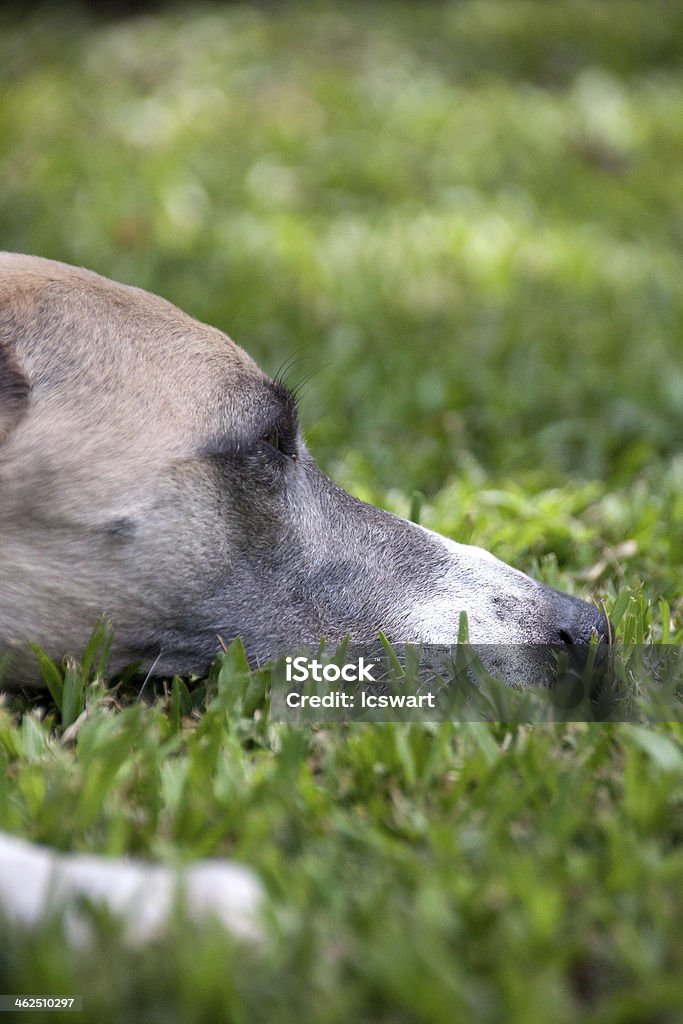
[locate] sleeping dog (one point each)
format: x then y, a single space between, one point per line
151 474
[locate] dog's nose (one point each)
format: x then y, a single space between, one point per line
580 621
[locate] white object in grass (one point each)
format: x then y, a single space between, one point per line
35 881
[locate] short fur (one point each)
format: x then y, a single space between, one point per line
151 473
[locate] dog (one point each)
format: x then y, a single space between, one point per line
152 475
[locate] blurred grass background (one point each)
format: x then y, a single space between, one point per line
468 216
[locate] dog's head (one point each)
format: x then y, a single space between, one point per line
152 474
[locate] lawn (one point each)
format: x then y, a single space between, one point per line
464 220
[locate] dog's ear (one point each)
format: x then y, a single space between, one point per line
14 391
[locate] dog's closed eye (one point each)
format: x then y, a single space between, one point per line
273 439
282 440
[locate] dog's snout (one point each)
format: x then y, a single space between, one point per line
580 622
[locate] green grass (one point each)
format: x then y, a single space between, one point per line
436 872
466 219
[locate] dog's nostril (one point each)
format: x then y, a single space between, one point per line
583 624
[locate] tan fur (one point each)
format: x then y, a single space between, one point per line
139 482
160 381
